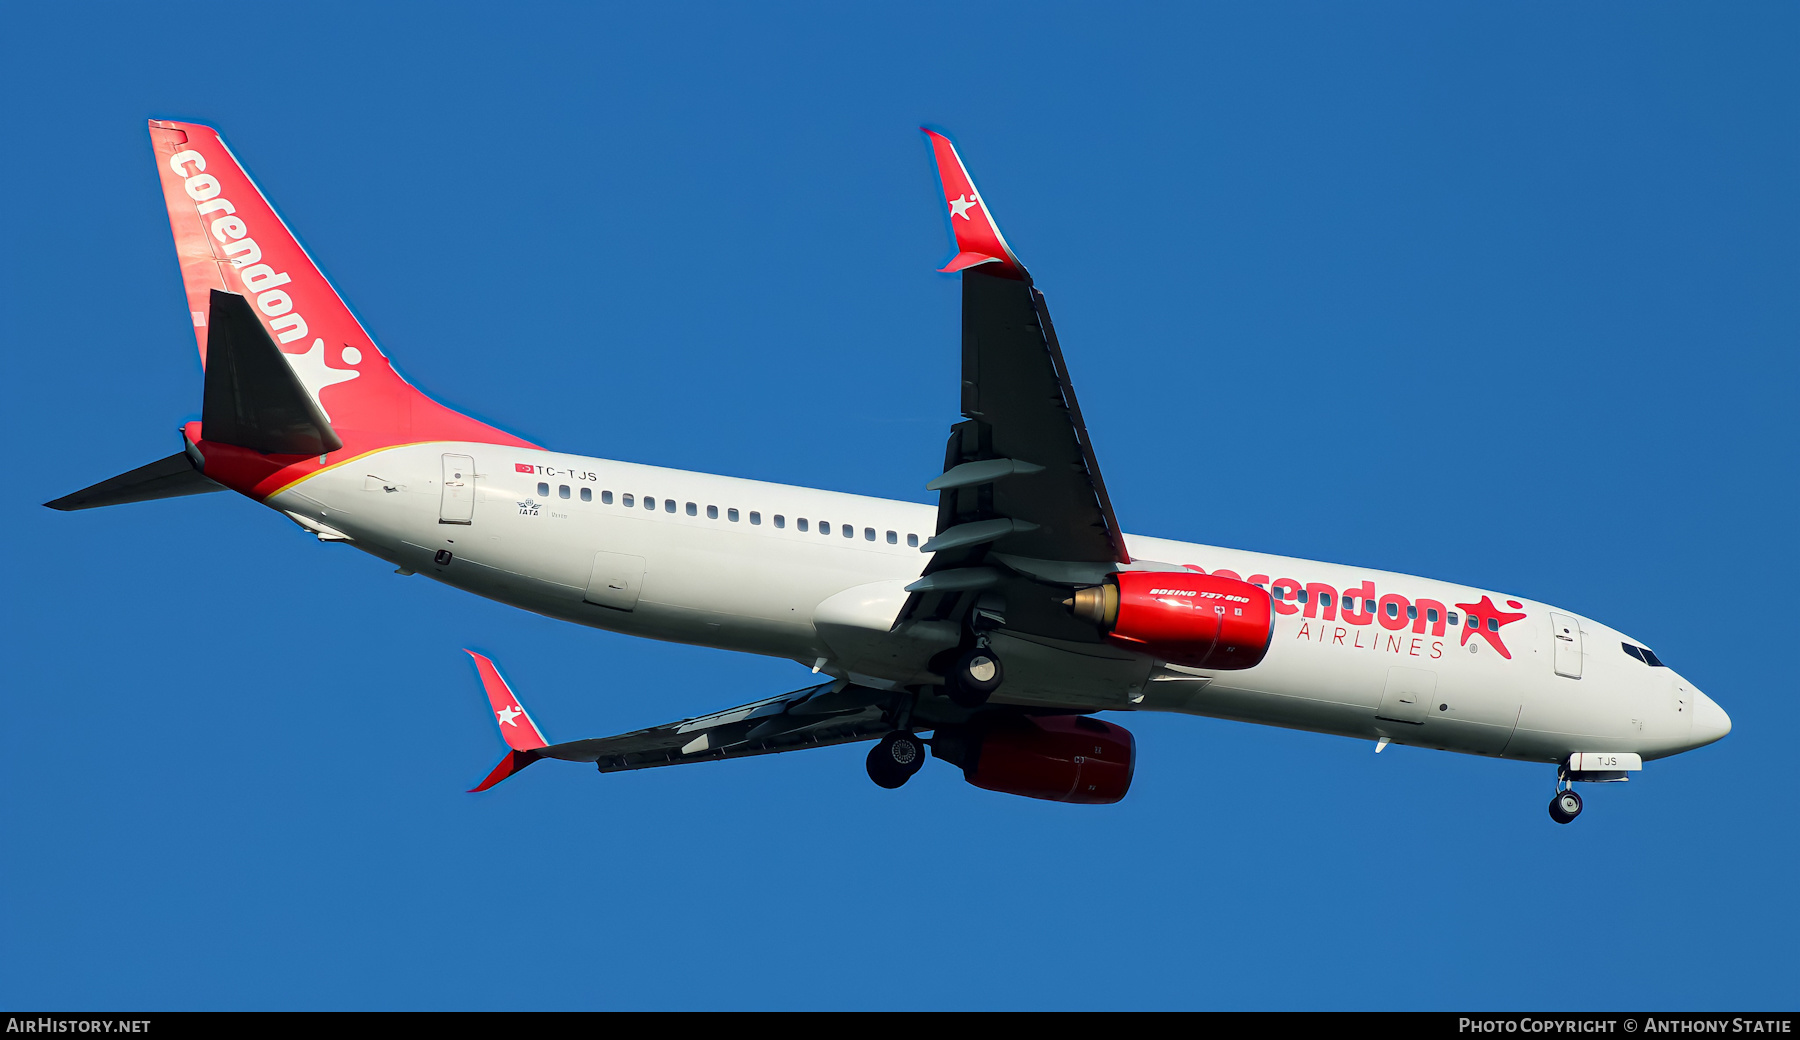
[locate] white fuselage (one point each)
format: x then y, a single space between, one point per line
801 588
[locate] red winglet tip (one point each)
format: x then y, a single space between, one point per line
508 712
512 763
978 238
964 261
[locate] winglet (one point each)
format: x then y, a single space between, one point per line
516 728
512 763
978 238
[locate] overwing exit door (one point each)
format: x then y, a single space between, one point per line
1566 633
458 503
1407 696
616 580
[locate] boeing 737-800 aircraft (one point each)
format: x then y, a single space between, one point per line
999 621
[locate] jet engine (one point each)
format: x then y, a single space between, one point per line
1183 617
1059 758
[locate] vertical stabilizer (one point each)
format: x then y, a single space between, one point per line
230 240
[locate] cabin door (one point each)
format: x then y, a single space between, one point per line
458 504
1566 649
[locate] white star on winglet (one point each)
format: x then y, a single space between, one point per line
508 714
315 374
959 206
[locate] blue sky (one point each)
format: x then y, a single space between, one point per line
1508 297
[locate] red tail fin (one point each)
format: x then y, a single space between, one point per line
229 238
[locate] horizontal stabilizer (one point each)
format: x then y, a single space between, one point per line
253 398
165 478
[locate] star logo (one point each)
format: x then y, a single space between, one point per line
959 206
1486 611
508 714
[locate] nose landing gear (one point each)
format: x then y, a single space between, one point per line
1566 805
895 758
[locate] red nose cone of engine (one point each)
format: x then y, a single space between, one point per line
1059 758
1199 620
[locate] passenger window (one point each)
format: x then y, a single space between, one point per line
1324 599
628 501
668 505
543 489
893 538
1301 595
731 515
1412 613
587 494
712 512
1454 620
1493 624
692 509
824 527
755 518
912 540
780 521
562 491
606 498
1279 592
800 524
1349 604
1431 615
649 503
1393 610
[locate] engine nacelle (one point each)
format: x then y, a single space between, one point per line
1059 758
1183 617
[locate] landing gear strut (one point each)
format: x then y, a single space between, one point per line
974 677
895 758
1567 804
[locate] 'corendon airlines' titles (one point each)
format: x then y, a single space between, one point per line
1393 612
233 235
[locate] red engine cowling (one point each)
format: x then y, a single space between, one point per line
1059 758
1199 620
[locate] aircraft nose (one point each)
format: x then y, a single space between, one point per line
1710 720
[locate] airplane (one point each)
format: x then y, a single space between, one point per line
1000 621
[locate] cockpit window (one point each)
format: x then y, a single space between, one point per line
1644 654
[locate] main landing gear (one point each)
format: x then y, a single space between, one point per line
895 758
1567 804
974 677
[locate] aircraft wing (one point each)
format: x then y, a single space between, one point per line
1021 486
837 712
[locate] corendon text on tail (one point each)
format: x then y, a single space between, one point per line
990 629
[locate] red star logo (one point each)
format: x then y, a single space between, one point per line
1479 612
